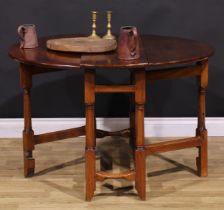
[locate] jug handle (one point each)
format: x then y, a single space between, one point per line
132 42
21 31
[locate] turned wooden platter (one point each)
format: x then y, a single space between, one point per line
82 44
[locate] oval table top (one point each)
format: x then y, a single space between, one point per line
155 51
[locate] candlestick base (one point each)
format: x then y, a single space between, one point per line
94 36
109 36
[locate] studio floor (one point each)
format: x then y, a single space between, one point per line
172 182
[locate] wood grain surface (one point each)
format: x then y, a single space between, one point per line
156 51
82 44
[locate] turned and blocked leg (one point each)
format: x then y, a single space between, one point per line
140 168
132 116
90 134
202 159
28 134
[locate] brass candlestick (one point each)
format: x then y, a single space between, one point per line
94 35
109 34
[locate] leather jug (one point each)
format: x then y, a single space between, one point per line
128 43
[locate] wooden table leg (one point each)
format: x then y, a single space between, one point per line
140 85
28 134
90 133
202 159
132 115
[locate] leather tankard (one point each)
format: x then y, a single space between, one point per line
128 43
28 36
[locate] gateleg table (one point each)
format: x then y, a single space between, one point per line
173 58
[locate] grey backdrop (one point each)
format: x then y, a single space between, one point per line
61 94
